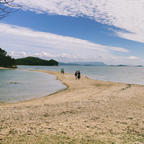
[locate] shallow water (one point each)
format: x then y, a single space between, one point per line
20 85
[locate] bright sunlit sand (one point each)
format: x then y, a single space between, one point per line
88 111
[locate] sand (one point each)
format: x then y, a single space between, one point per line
2 68
88 111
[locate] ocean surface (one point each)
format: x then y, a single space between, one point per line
20 85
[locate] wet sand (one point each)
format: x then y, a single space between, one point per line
88 111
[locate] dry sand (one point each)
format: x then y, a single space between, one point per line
88 112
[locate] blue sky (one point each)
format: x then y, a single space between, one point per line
72 31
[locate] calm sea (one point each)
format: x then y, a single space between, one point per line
19 85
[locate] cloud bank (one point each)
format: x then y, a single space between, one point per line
22 42
124 14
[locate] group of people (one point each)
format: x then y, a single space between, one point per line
77 73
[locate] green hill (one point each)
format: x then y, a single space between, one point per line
36 61
6 60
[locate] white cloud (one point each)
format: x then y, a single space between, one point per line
21 42
133 57
124 14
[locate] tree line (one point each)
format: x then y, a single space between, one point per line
6 60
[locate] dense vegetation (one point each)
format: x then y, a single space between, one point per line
6 60
36 61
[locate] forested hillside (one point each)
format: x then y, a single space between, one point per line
36 61
6 60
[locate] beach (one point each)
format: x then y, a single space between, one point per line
1 68
87 111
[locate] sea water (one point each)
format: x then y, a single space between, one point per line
125 74
20 85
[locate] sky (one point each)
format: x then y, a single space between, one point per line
109 31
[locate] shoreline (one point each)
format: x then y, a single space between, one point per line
3 68
92 110
36 99
57 74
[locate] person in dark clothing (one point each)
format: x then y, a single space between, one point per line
78 74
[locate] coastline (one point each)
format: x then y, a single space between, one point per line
89 109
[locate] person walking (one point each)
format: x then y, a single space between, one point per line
78 75
62 70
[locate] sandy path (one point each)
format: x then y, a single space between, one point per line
105 111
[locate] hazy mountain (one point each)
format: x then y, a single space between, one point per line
84 63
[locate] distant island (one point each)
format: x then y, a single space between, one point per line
121 65
34 61
84 64
6 61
